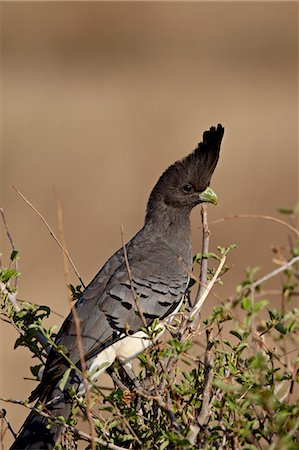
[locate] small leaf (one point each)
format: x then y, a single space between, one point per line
8 274
19 342
260 305
274 314
14 255
225 250
281 328
237 334
64 379
241 347
35 369
164 444
113 424
287 211
246 304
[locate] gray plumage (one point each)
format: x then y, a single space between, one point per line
160 258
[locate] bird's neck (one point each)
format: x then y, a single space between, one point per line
173 226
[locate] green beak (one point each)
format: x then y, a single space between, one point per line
209 196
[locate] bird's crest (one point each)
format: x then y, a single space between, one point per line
197 168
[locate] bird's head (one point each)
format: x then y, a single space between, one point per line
185 183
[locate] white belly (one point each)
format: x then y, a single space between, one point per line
125 349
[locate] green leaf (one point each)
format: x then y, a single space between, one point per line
226 250
8 274
237 334
64 379
127 437
19 342
281 328
164 444
286 211
260 305
257 361
14 255
35 369
241 347
274 314
246 304
113 424
199 256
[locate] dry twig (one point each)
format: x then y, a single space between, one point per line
205 248
134 295
65 251
275 272
257 216
10 238
63 241
205 407
202 299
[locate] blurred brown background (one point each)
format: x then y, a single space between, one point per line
99 98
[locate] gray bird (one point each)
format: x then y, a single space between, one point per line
117 302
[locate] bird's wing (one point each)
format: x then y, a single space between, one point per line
107 309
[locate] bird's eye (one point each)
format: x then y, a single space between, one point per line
187 188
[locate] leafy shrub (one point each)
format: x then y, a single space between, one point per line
230 383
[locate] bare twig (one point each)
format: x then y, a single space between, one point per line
84 376
65 251
134 295
204 413
3 430
257 216
63 241
3 416
10 238
7 229
200 302
205 248
274 273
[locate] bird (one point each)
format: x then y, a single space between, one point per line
144 281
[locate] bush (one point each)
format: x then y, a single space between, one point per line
229 383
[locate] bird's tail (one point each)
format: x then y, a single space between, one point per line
35 433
